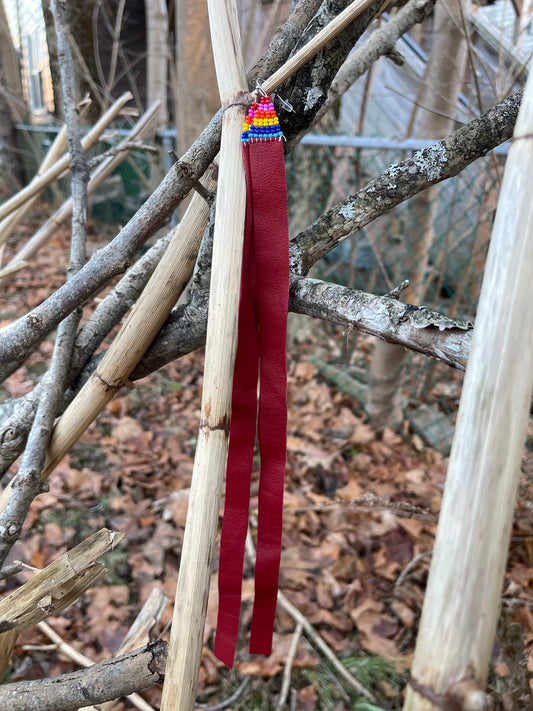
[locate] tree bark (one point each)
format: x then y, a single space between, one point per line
79 17
51 42
119 677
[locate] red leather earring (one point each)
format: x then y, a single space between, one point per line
259 399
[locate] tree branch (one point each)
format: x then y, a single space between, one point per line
418 329
381 42
110 680
427 167
413 327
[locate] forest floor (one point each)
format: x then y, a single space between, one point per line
360 517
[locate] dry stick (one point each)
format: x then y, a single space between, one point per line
118 677
460 610
152 308
209 465
57 586
416 328
54 153
287 671
61 165
192 591
46 231
311 632
29 475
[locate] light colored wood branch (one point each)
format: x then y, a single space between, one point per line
152 308
118 677
52 589
287 670
98 176
59 584
56 150
460 610
221 343
36 186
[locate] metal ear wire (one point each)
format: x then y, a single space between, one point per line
259 89
285 104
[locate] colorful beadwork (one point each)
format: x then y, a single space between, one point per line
261 122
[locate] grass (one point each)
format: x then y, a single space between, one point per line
373 672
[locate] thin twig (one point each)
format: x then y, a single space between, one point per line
122 148
312 634
411 566
287 671
230 701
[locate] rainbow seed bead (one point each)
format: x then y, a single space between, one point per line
262 122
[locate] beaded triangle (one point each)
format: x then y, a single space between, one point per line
262 122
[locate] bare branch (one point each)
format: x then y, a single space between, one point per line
381 42
427 167
413 327
118 677
124 147
28 483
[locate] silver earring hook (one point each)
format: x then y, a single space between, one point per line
285 104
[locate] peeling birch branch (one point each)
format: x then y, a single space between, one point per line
413 327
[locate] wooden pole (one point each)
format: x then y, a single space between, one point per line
186 638
36 186
464 588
